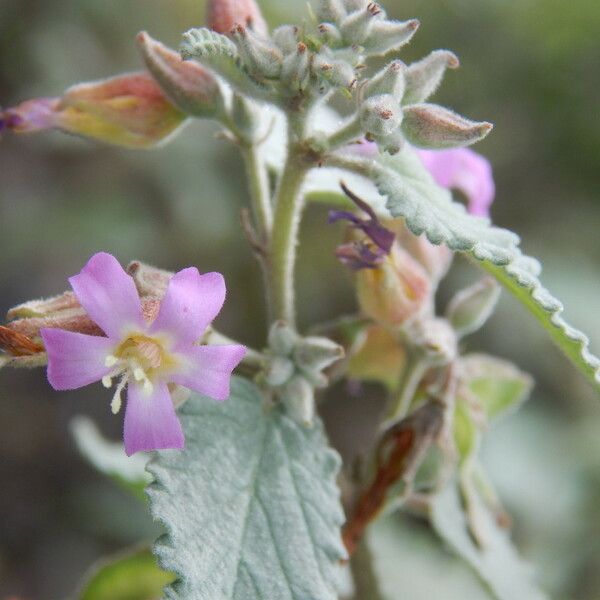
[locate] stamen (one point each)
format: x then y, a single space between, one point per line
116 402
110 361
107 381
139 374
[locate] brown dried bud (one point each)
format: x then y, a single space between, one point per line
223 15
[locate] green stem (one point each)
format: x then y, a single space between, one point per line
288 211
363 574
260 194
411 376
349 132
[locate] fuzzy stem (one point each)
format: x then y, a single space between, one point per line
363 574
349 132
288 211
260 195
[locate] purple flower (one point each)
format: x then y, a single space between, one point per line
464 170
362 255
145 357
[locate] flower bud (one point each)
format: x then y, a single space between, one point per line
286 38
356 26
223 15
331 10
260 57
432 126
190 86
424 77
278 370
396 290
380 115
337 73
282 338
392 143
149 281
436 338
330 35
295 71
127 110
298 397
390 80
314 354
386 36
472 307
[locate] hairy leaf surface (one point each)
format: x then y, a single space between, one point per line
251 505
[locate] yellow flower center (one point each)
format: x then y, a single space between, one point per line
138 358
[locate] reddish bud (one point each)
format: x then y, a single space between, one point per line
223 15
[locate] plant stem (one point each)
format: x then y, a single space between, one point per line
288 211
363 573
410 378
260 194
347 133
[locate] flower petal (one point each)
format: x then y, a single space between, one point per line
108 295
75 359
150 420
191 303
209 369
465 170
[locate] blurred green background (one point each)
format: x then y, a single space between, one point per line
530 66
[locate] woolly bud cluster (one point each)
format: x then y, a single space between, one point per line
295 368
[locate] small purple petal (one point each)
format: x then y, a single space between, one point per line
465 170
356 256
75 359
209 369
108 295
150 420
191 303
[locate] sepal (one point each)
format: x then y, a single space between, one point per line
471 307
189 86
424 77
435 127
386 36
380 115
356 27
389 80
262 58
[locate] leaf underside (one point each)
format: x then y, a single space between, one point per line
497 564
251 505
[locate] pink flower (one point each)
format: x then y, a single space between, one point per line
464 170
146 356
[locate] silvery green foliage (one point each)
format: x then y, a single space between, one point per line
497 564
251 505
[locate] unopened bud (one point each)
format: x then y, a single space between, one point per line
424 77
45 307
282 338
260 57
330 35
380 115
356 26
472 307
395 291
149 281
392 143
314 354
295 71
298 397
386 36
335 72
436 338
127 110
331 10
278 370
286 38
190 86
223 15
390 80
432 126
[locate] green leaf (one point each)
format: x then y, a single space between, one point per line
251 505
218 52
496 384
109 457
134 576
497 564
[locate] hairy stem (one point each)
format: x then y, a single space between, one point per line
288 211
363 574
260 194
349 132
